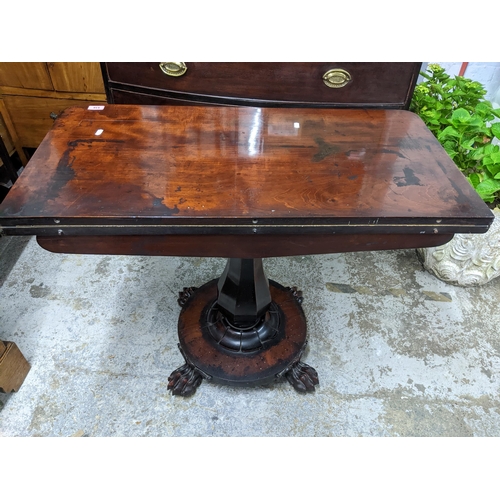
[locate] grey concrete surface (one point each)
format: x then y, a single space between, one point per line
398 352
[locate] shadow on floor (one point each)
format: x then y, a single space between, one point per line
11 248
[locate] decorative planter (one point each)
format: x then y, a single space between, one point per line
468 259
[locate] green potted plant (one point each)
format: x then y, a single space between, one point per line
455 110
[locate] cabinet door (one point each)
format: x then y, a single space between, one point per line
4 134
76 77
26 75
33 115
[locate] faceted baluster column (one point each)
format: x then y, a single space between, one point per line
244 295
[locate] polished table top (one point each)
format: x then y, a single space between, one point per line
194 170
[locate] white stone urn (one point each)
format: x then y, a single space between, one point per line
467 259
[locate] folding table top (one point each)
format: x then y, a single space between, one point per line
132 170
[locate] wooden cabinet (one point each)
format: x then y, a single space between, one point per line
32 94
6 150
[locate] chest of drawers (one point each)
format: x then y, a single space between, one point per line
312 85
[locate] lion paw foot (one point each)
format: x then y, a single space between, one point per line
185 294
184 381
302 377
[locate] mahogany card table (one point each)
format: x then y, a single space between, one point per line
244 184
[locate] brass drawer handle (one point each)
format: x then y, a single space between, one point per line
336 78
173 68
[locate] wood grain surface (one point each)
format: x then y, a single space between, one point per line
149 170
13 367
244 246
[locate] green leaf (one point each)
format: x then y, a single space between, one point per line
477 154
495 128
476 121
489 148
488 187
461 115
448 132
494 169
484 107
483 113
474 180
467 144
488 199
450 148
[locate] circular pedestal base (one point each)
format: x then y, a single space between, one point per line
207 358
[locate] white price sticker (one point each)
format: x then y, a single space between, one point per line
96 108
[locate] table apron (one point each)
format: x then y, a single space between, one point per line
227 229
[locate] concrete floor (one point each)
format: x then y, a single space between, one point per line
398 352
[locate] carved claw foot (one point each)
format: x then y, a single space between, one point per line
184 381
297 294
302 377
185 294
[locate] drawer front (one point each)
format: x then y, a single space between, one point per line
286 83
31 116
125 97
